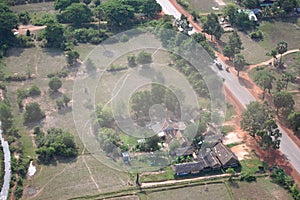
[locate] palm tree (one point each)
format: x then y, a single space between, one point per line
281 48
239 63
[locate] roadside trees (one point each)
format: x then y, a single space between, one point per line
284 102
264 79
234 45
239 63
212 26
258 121
76 13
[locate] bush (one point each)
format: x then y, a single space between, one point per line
34 91
55 83
144 58
116 68
16 77
256 35
61 74
124 38
248 177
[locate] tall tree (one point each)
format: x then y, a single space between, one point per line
264 79
117 13
258 121
283 101
33 113
55 83
235 42
54 34
151 8
6 116
76 13
212 26
8 21
281 48
239 63
63 4
72 57
294 120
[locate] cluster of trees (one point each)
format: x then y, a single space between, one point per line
281 48
212 26
232 51
258 121
142 101
281 178
22 94
63 102
237 18
56 142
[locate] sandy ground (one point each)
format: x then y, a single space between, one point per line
241 151
232 137
33 29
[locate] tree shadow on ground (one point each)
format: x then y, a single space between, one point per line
244 82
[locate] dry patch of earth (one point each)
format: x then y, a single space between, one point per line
231 138
241 151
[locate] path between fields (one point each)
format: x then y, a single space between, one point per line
220 2
151 184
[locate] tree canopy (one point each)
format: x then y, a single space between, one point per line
8 21
63 4
258 121
212 26
55 83
6 116
33 113
284 102
76 13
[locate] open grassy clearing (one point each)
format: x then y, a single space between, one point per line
251 164
274 31
46 7
205 6
209 191
263 188
65 178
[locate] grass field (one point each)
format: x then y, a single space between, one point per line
263 188
205 6
35 8
210 191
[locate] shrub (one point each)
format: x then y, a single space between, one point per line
256 35
131 60
116 68
34 91
15 77
144 58
124 38
248 177
55 83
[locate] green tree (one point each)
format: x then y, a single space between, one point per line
158 93
63 4
152 143
55 83
104 116
8 21
230 11
144 58
235 43
24 18
151 8
6 116
72 57
33 113
117 13
294 120
283 101
87 2
264 79
288 5
34 91
66 99
288 77
131 59
212 26
281 48
76 13
239 63
54 34
251 4
228 52
258 121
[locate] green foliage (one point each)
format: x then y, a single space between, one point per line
256 35
124 38
33 113
54 34
264 79
257 120
6 116
284 102
236 18
151 144
24 18
76 13
247 177
294 120
281 48
24 42
104 116
66 99
55 83
239 63
280 177
131 59
108 139
144 58
45 19
8 21
34 90
56 142
234 45
212 26
72 57
63 4
113 68
150 8
251 4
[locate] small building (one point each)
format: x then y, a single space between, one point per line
184 151
226 157
126 157
188 168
